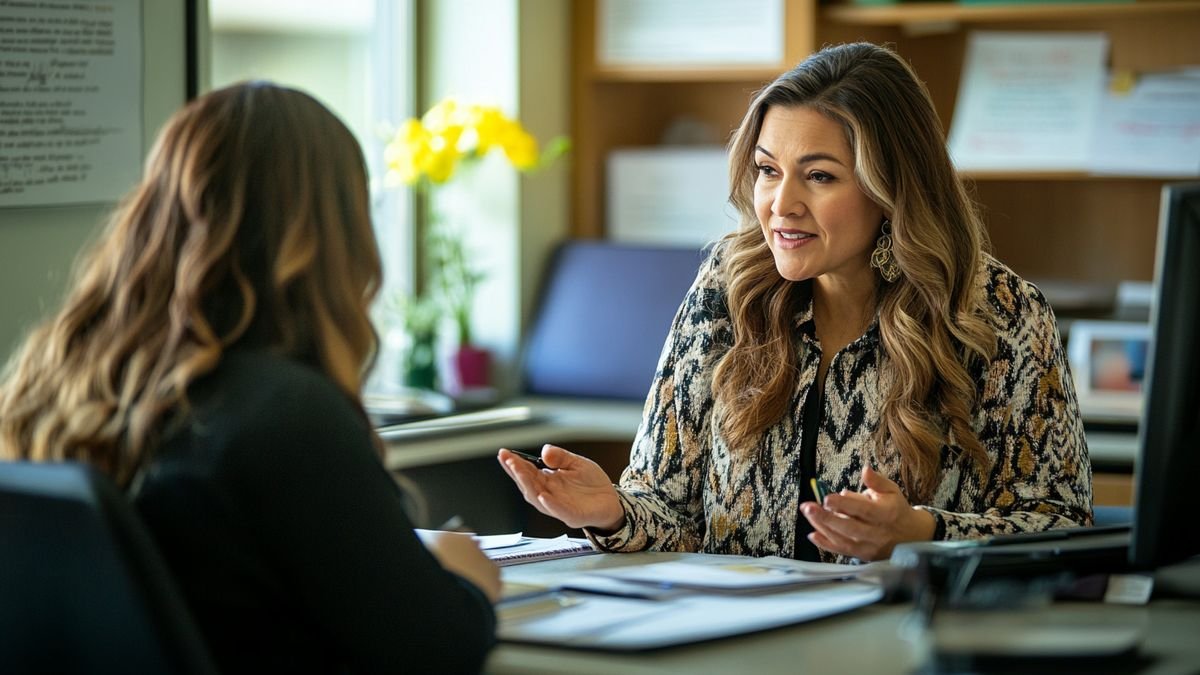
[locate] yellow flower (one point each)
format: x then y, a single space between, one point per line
520 148
452 132
407 152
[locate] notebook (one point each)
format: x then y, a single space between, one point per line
531 549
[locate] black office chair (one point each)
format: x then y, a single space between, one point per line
82 587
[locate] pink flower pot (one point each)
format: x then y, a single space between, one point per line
471 367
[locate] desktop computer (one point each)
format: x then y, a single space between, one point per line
1166 528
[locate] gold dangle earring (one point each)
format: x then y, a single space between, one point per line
882 258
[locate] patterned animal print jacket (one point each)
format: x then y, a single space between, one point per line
684 490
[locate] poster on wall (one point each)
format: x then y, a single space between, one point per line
70 100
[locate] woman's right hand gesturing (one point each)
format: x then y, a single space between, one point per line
573 488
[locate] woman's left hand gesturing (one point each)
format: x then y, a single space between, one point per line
868 524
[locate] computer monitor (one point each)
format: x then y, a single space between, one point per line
1166 525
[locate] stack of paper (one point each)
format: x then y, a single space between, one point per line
748 575
1045 102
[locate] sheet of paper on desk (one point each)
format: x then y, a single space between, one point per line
489 542
622 624
740 574
486 542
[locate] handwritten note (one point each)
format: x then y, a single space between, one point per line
70 101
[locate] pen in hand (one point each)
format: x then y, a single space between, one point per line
532 459
819 489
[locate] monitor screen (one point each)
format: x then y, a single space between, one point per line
1166 527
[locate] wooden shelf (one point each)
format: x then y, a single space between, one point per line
1062 176
706 73
1070 225
953 12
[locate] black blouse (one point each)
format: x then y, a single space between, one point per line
290 539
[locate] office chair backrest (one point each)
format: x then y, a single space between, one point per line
604 314
82 587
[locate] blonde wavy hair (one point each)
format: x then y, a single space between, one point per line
931 320
251 226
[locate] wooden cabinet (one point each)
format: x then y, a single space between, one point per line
616 107
1045 225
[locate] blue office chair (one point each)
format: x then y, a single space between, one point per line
82 587
605 311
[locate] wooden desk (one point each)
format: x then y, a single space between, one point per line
878 640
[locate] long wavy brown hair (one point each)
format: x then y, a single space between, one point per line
250 226
931 320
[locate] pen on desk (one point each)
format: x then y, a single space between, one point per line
533 459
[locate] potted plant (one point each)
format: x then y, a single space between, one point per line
426 153
456 283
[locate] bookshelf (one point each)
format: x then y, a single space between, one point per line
1066 226
1046 225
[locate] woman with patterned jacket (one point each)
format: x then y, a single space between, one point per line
854 330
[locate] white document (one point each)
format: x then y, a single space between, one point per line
70 101
1028 101
665 33
676 196
1153 129
630 624
733 575
488 542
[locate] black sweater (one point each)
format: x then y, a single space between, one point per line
290 539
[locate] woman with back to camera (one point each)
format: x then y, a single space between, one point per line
854 330
210 360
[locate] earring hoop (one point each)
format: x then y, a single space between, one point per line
882 258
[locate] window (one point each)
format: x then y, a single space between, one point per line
356 57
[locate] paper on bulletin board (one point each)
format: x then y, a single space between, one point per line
1151 128
675 196
683 33
70 101
1028 101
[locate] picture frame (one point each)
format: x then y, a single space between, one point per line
1108 366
